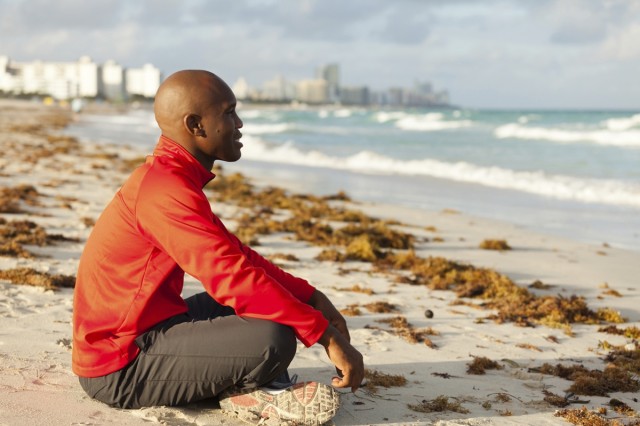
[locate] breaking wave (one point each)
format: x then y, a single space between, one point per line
557 186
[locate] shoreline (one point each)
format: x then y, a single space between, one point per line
75 181
587 222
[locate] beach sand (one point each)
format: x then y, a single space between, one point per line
62 186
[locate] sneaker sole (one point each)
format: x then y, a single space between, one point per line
307 403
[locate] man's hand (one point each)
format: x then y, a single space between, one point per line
345 357
322 303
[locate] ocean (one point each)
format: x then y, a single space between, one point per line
574 174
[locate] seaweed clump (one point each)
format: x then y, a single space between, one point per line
10 198
376 378
631 332
29 276
438 405
584 417
593 382
404 329
13 234
499 245
481 364
512 303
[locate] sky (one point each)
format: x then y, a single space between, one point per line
550 54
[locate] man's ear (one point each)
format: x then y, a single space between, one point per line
193 124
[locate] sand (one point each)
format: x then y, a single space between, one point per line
75 181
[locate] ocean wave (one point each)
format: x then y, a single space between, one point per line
261 129
430 123
555 186
629 138
385 116
622 124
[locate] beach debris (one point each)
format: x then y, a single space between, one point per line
29 276
499 245
585 417
529 346
401 327
480 364
512 303
351 311
555 400
357 289
631 332
288 257
11 197
537 284
428 313
437 405
622 408
375 378
445 375
15 233
613 378
381 307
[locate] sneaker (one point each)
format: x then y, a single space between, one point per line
306 403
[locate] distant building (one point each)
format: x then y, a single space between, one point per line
241 89
278 90
113 81
312 91
330 73
143 81
81 79
355 95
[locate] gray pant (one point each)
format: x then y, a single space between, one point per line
195 356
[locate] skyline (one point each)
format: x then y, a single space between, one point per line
580 54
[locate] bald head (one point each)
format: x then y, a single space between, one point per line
185 93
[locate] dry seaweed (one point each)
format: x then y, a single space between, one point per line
555 400
631 332
377 378
584 417
357 289
500 245
14 234
626 359
438 405
481 364
404 329
593 382
29 276
351 311
622 408
10 198
381 307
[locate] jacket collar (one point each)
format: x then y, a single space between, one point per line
173 149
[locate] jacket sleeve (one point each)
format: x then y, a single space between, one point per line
176 217
300 288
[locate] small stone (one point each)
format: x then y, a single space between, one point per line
428 313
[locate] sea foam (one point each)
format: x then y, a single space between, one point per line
604 191
626 138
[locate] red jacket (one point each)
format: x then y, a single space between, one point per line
158 226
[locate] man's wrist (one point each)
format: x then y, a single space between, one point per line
328 336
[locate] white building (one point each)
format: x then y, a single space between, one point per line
241 89
312 91
143 81
82 79
278 90
113 82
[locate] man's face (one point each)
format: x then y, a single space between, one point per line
220 123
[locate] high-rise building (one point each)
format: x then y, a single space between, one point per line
143 81
331 74
312 91
113 81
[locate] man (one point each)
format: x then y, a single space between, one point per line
137 343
